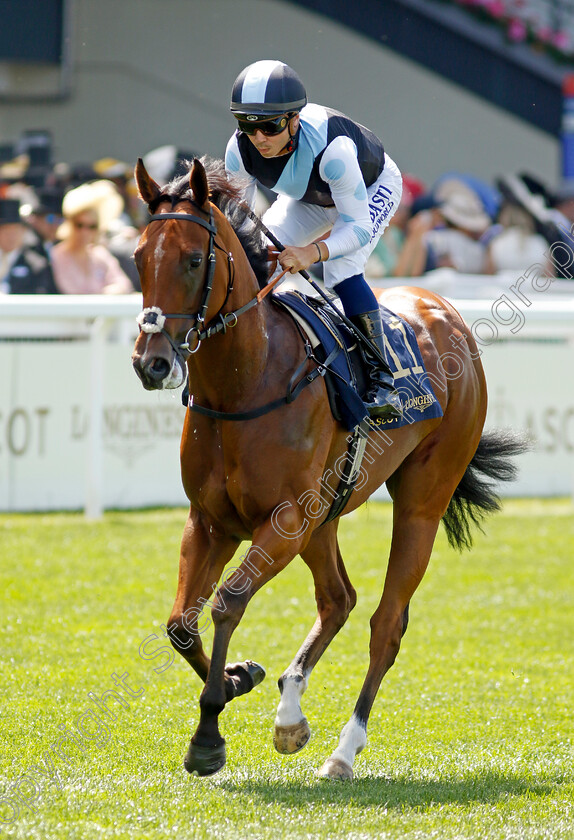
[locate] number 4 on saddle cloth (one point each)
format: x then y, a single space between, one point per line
345 376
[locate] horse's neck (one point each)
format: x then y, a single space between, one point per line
231 366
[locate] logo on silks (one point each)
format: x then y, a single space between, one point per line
418 403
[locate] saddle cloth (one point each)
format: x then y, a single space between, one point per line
346 378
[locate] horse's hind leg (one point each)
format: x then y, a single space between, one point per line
335 599
421 490
413 538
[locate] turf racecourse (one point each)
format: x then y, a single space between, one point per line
470 737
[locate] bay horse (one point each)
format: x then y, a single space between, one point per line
252 473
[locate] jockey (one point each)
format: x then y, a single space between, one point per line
337 190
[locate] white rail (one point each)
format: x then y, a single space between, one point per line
77 430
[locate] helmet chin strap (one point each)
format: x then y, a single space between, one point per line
290 144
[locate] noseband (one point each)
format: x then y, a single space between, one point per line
152 319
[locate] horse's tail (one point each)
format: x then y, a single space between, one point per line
476 496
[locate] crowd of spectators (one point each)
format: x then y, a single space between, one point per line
73 230
69 229
475 227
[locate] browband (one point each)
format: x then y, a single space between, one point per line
159 217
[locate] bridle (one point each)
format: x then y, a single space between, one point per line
152 319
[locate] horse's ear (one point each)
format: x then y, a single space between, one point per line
198 183
147 187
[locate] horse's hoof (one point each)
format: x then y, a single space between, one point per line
245 675
255 671
204 761
335 768
291 739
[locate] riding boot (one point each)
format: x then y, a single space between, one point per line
381 398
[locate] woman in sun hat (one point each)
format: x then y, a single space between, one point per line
460 244
450 233
81 264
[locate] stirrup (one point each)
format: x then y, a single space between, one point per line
386 404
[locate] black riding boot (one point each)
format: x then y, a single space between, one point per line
381 399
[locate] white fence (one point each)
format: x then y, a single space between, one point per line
78 431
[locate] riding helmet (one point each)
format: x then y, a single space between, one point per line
267 88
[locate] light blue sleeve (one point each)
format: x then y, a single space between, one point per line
235 168
340 168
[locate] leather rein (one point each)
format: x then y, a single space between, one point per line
152 320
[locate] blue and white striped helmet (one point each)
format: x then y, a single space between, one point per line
267 88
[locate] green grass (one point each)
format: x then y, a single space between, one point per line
470 736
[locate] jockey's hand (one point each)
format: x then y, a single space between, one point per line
272 254
298 259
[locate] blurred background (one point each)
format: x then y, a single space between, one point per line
474 100
473 85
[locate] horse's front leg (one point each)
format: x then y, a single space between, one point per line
204 554
268 555
335 599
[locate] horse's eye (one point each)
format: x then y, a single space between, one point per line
195 260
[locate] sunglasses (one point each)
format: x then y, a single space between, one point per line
83 226
268 127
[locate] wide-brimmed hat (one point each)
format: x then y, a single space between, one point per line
466 211
167 162
10 211
112 168
101 197
526 192
15 169
160 163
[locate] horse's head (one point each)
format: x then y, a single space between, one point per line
176 261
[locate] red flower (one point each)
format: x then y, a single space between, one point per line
517 30
496 8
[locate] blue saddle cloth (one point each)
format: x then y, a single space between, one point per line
346 379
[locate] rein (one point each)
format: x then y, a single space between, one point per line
152 320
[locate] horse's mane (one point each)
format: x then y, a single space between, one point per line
226 194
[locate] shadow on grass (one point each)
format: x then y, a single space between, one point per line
393 793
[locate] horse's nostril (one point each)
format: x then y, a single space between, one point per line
153 373
159 368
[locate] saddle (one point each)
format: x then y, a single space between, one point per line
345 372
